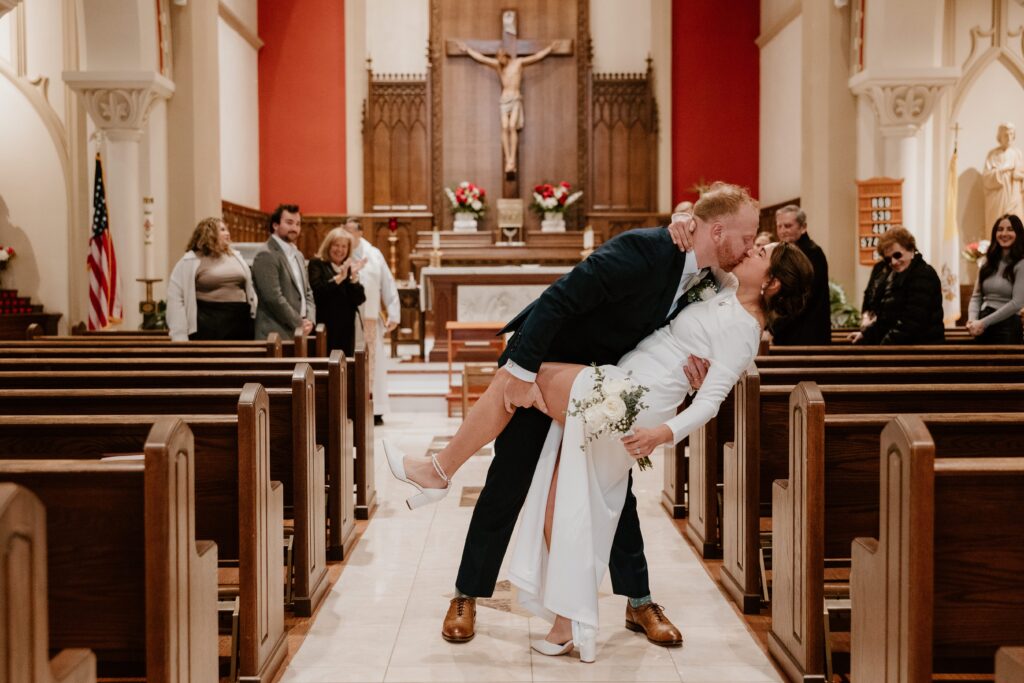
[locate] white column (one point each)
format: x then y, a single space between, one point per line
118 104
901 150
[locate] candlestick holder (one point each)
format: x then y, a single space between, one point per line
435 258
585 253
393 253
153 313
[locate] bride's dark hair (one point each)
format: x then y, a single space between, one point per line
794 272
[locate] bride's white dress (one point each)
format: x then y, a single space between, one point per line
592 477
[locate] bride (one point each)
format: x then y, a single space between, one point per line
579 485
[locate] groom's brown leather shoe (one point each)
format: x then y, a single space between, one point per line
650 620
460 622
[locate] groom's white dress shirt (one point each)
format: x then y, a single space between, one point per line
691 276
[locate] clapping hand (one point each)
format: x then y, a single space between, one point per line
975 328
357 265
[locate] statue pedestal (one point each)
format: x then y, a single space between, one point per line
464 222
553 222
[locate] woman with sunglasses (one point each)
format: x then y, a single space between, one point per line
908 303
999 292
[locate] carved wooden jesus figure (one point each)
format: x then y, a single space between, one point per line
509 65
510 72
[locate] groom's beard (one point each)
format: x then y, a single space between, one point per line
727 260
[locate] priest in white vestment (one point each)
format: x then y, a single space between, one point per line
381 295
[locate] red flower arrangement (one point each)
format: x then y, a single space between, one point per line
467 197
548 198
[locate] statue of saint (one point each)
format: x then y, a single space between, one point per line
1003 177
510 72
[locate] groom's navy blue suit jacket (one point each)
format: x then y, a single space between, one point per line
604 306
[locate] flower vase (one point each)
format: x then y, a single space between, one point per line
554 221
465 221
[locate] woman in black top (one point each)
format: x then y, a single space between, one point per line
334 279
908 303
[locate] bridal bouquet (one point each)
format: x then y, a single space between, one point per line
611 406
6 254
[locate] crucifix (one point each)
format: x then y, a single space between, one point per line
508 57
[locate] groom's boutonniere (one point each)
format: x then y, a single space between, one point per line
703 290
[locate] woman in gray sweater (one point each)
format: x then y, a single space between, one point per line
999 292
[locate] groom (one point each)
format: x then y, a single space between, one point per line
632 285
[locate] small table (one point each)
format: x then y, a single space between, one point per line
463 334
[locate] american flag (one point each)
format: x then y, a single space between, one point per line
104 293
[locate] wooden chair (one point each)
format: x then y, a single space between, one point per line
476 377
478 336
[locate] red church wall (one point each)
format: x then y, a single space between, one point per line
302 105
715 84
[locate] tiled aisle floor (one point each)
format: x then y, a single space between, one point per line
383 618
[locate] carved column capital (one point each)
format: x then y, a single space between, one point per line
119 102
903 103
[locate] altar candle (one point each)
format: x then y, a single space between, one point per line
588 239
148 251
435 240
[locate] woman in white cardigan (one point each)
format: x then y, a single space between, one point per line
210 293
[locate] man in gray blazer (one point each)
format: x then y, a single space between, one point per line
279 276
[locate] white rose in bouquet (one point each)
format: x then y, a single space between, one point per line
595 417
614 408
615 387
707 293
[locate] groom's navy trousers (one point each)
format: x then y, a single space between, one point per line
594 314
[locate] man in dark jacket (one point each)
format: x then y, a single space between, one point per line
632 285
813 327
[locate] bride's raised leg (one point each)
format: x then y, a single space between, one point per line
488 417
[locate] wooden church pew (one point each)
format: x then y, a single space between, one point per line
760 454
24 616
940 589
1010 665
237 505
127 577
705 466
339 436
831 497
927 349
294 457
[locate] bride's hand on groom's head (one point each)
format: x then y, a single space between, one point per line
696 369
642 441
681 229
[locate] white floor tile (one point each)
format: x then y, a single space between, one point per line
382 620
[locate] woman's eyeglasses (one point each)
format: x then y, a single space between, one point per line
894 256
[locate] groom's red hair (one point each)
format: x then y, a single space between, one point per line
722 199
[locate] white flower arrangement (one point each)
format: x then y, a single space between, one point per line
611 406
705 290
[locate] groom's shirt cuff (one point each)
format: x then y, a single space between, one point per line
520 373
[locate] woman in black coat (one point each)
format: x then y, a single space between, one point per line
334 279
908 303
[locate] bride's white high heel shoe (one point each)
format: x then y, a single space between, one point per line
546 647
585 639
396 462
